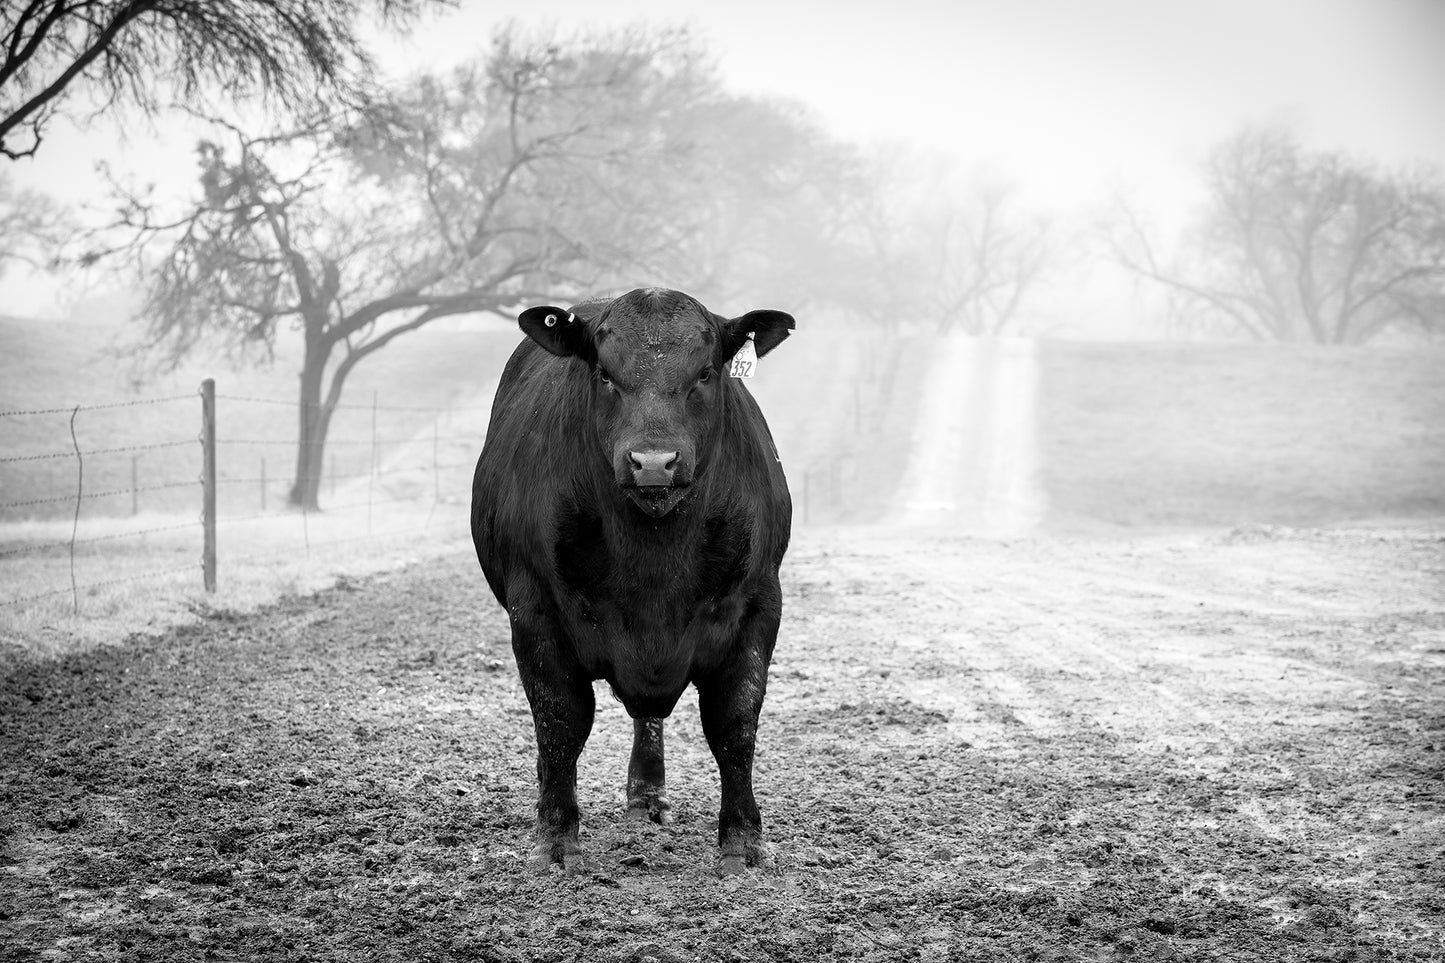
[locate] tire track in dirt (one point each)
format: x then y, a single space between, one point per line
973 464
1082 660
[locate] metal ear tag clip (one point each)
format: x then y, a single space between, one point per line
550 321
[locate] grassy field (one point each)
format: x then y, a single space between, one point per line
1160 435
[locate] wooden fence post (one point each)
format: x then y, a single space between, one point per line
208 482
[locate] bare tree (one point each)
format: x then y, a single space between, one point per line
986 257
1300 246
958 252
552 168
31 226
771 203
130 51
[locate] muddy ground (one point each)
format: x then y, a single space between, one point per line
1223 746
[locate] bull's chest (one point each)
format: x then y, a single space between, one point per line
662 605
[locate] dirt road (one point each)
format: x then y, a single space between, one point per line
1223 746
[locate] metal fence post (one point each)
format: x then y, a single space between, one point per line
208 482
371 481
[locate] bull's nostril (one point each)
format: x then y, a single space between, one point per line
653 468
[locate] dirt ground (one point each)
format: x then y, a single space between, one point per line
1188 746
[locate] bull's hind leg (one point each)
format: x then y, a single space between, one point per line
730 702
562 710
646 777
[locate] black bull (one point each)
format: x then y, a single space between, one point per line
630 513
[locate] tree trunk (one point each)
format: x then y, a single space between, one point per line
314 419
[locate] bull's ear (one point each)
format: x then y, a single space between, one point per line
767 327
558 330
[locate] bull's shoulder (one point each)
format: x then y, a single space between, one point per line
533 461
532 377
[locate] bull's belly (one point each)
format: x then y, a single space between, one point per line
647 679
650 666
646 701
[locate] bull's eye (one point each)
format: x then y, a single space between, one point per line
704 376
605 378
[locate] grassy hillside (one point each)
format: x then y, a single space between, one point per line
1165 435
1130 434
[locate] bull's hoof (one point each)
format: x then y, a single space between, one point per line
654 809
737 858
562 853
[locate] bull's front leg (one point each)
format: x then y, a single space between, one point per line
730 700
646 774
562 708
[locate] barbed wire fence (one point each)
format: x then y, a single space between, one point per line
228 484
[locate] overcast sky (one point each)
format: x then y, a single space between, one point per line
1064 97
1068 90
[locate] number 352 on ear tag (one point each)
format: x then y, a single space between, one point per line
745 362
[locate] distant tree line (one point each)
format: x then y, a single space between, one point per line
1301 246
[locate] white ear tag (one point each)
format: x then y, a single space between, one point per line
745 362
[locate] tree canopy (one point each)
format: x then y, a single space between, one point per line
950 251
139 52
31 225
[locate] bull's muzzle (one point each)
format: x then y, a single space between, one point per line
652 469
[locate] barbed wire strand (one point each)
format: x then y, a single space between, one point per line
159 573
79 493
81 496
347 506
323 512
255 479
371 482
282 552
362 538
97 451
328 443
93 495
345 407
116 536
101 407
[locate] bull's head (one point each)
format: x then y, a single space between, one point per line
658 362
